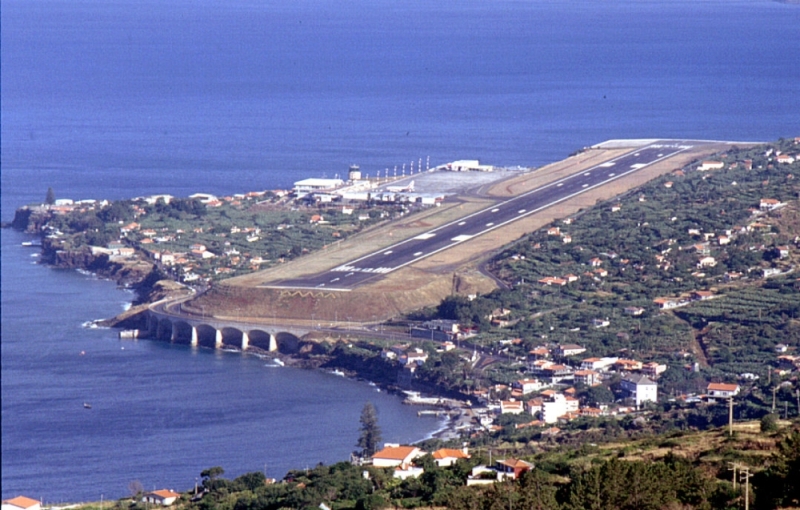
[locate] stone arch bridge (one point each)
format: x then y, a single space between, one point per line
216 333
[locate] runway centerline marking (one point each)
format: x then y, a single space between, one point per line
388 252
426 235
418 254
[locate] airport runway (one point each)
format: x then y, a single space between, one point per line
373 266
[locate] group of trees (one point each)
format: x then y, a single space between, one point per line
672 482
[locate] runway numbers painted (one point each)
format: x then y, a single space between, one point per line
354 270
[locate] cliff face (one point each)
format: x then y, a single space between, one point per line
30 220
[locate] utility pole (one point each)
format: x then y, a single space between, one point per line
730 416
774 392
733 467
745 473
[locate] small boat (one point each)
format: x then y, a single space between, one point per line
338 372
87 406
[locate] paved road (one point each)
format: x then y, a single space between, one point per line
373 266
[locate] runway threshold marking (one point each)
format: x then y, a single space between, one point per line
426 235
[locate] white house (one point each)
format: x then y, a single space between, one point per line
394 455
448 456
511 407
21 503
722 390
640 388
527 385
553 409
164 497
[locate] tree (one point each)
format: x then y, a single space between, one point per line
769 423
370 431
50 199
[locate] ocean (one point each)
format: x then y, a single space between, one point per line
121 99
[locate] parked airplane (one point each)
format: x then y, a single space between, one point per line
400 189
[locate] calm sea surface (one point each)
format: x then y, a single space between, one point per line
118 99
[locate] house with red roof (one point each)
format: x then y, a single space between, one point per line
21 503
722 390
163 497
394 455
448 456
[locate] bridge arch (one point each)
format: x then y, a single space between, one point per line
182 333
164 330
234 337
206 336
287 342
261 339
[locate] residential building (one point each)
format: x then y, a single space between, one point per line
511 407
587 377
640 388
163 497
393 455
570 350
722 390
653 369
554 408
627 365
512 468
597 363
528 385
634 310
448 456
21 503
711 165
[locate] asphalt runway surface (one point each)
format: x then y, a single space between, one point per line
374 265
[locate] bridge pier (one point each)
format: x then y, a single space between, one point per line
273 343
174 335
245 340
194 336
218 339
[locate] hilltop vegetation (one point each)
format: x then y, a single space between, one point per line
688 231
683 470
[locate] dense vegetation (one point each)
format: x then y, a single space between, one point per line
649 242
592 477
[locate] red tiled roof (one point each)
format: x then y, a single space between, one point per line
395 452
722 387
22 502
445 453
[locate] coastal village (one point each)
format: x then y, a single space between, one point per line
547 386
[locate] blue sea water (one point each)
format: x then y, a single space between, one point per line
119 99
